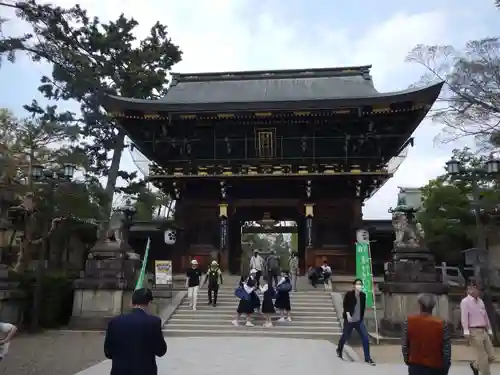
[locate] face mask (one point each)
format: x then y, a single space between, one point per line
358 287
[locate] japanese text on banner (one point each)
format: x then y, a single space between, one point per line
364 271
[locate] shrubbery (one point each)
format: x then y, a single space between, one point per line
57 298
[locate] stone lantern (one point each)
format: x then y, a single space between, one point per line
106 286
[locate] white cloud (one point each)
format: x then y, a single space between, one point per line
221 35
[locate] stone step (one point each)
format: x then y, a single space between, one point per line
319 295
230 307
190 314
319 302
230 290
248 331
300 298
292 298
257 327
300 313
232 301
221 320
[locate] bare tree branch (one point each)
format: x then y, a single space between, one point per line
469 105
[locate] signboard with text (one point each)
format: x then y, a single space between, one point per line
163 272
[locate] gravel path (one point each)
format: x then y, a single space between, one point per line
53 353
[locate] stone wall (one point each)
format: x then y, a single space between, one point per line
12 304
92 309
448 308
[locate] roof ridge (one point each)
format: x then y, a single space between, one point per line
348 71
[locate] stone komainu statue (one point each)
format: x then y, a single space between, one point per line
408 233
116 222
115 244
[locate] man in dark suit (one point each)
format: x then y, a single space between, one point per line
354 312
133 341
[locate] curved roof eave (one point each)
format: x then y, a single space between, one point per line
427 94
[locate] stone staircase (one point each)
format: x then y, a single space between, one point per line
313 316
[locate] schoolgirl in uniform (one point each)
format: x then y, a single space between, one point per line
268 310
247 306
283 303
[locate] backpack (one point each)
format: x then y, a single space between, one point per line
273 263
213 277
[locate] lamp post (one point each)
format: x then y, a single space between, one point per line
488 172
52 179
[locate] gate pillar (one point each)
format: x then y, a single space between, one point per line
309 234
223 236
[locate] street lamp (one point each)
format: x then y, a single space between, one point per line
490 171
52 178
492 166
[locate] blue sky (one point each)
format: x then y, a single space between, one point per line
219 35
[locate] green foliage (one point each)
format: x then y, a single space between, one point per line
90 59
294 242
281 246
9 44
57 298
447 219
32 141
257 241
447 216
149 204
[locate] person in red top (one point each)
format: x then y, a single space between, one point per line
426 341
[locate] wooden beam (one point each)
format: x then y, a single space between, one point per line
266 202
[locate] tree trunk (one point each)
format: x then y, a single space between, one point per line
114 168
169 209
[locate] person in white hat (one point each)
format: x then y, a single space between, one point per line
214 278
193 278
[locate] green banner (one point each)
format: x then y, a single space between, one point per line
142 275
364 270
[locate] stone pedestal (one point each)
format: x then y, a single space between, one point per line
400 303
12 300
411 273
104 290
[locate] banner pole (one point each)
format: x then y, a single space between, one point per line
373 294
142 275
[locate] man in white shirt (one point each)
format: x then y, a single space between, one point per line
257 263
327 273
193 279
7 332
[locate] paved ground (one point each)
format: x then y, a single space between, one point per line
53 353
69 353
392 354
257 356
241 355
